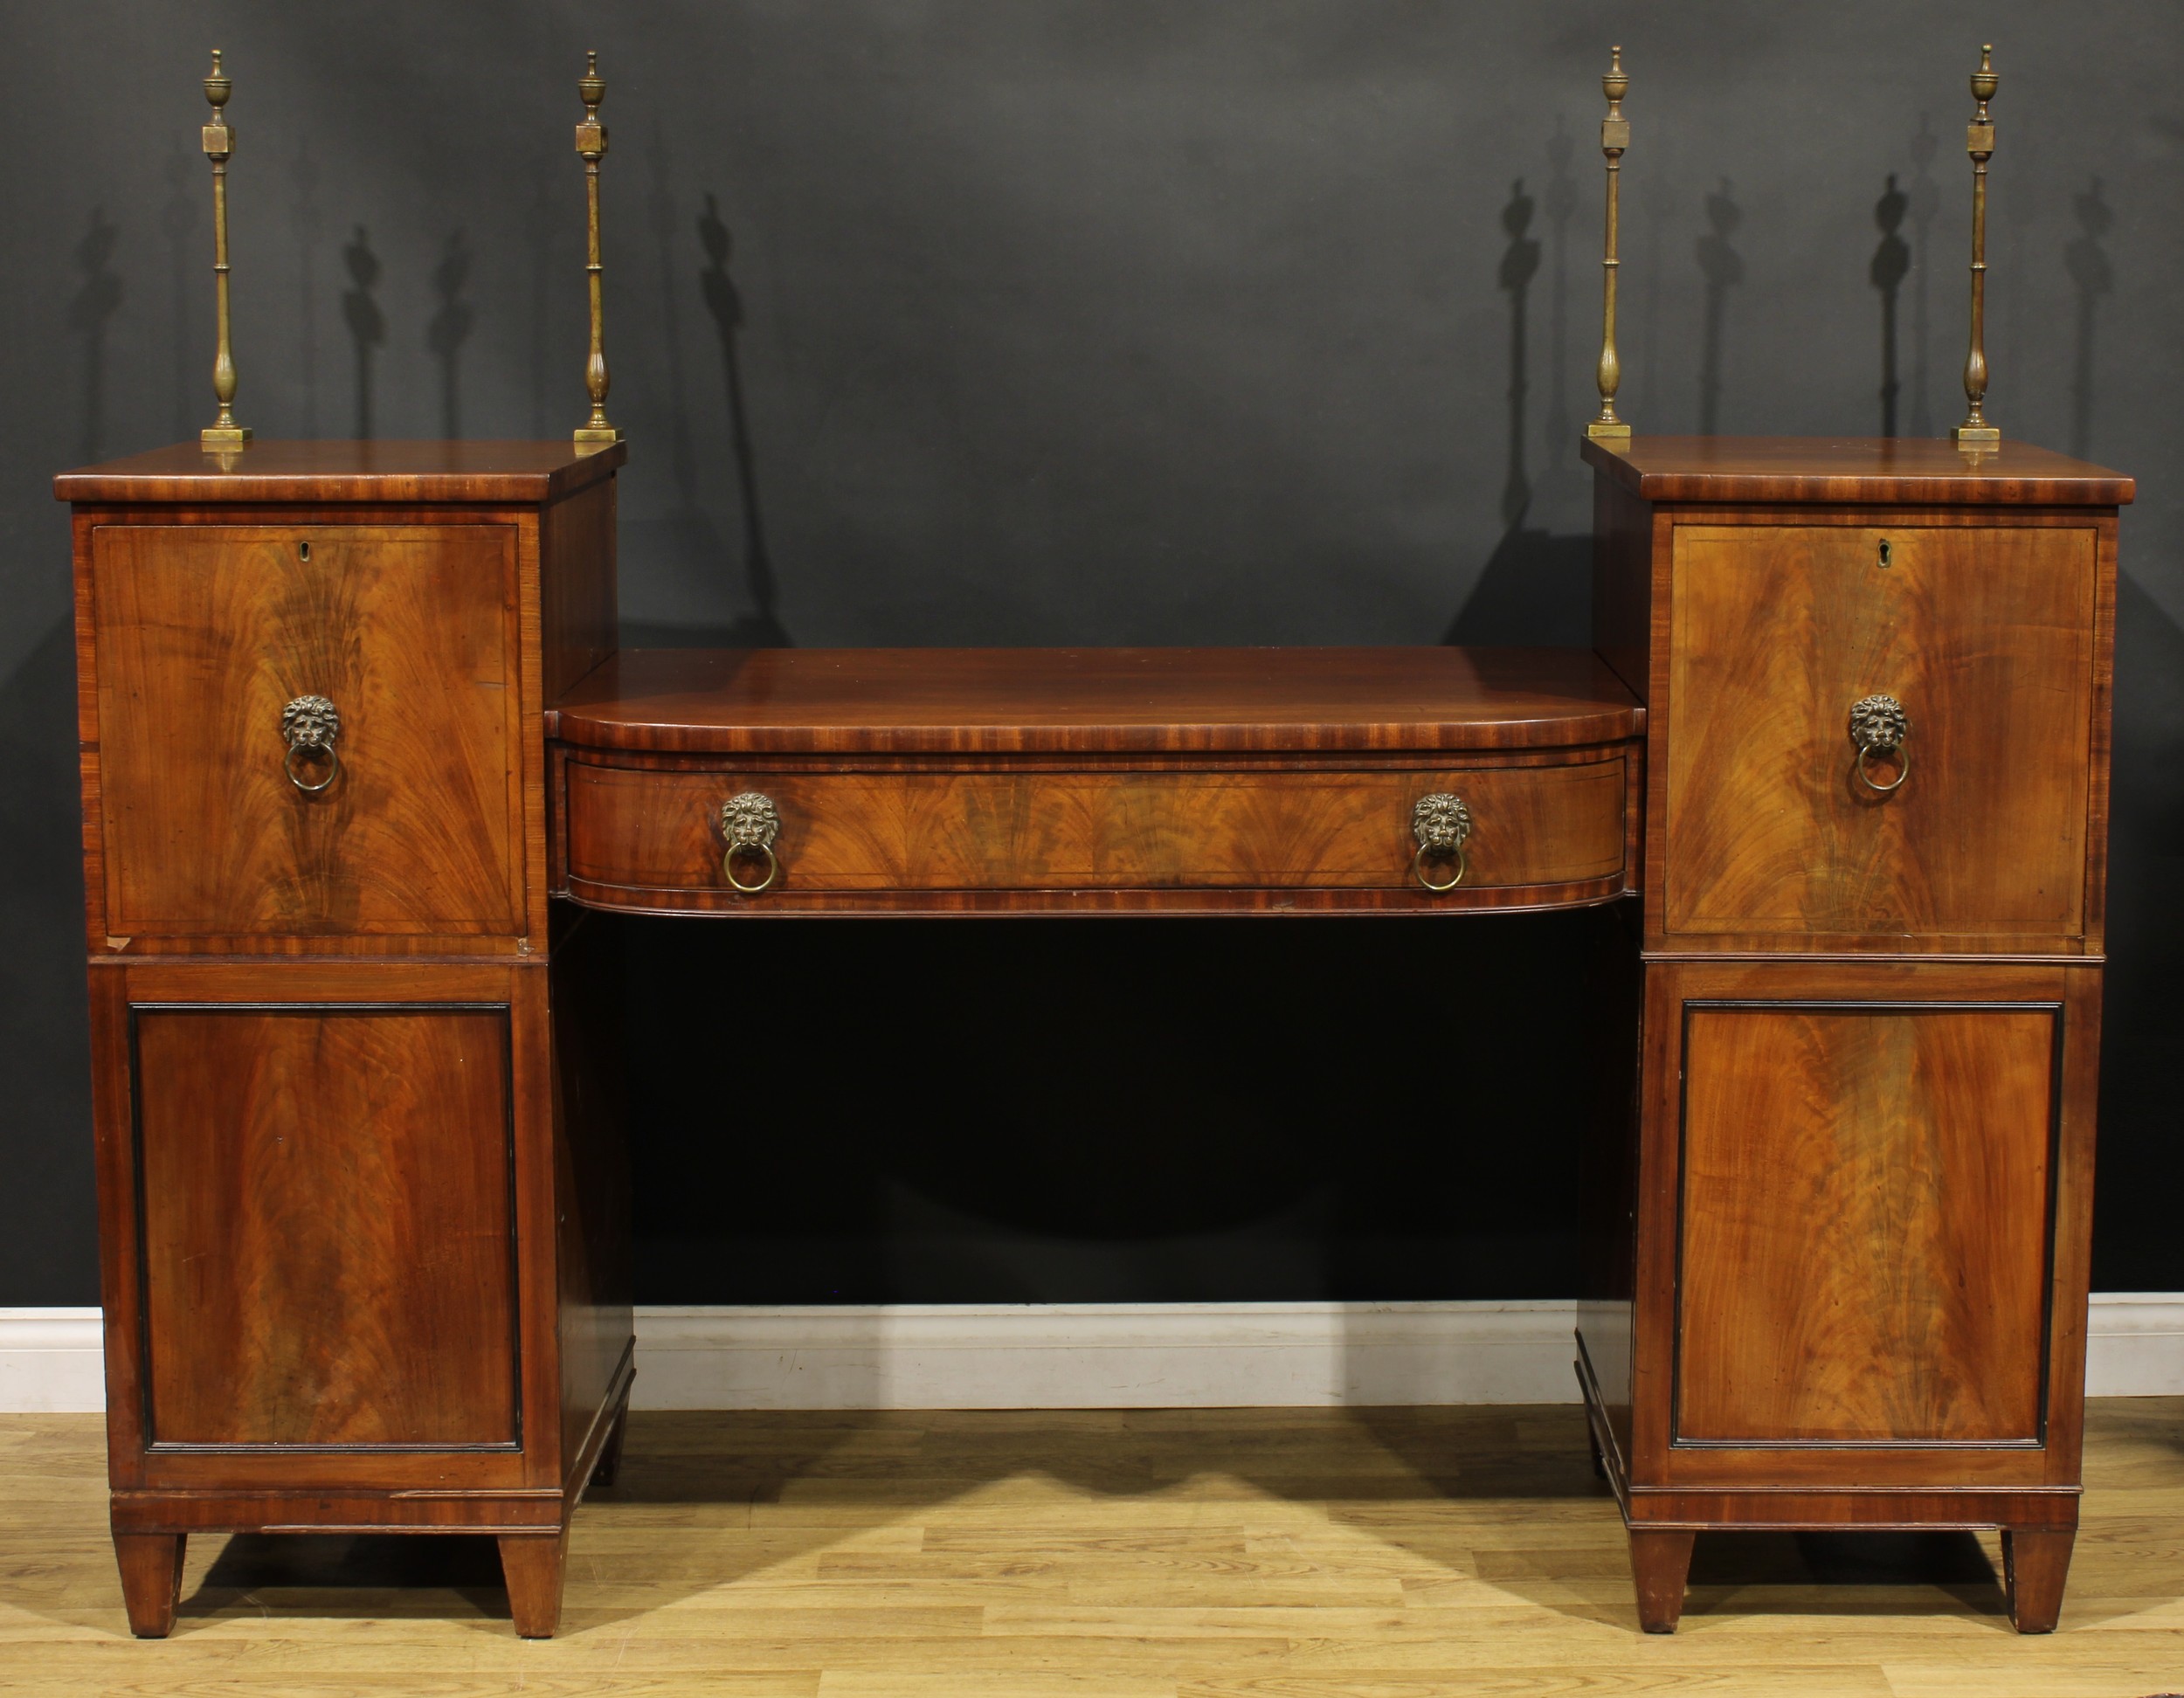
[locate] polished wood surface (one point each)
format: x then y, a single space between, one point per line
1087 701
204 632
1810 471
1987 637
327 1255
382 473
1274 1553
1865 1201
652 837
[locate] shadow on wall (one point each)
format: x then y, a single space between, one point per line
450 328
367 324
303 221
699 560
95 304
179 219
2136 1244
1723 268
1891 261
49 1252
1536 587
1925 199
2092 277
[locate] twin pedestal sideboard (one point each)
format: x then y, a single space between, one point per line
359 753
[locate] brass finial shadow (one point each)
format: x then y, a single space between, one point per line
1975 434
224 435
595 433
1614 137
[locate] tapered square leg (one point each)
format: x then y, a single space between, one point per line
2035 1566
1660 1562
532 1564
151 1579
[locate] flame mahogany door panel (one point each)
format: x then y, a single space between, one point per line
327 1244
205 632
1863 1206
1986 635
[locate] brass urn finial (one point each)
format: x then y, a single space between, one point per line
1614 138
595 433
224 435
1975 434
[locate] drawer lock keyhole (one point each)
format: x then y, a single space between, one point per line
1885 562
303 553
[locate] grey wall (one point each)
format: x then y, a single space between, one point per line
1017 321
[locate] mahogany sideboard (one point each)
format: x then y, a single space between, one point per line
359 752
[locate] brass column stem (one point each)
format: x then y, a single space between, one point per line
224 435
1976 432
595 432
1614 138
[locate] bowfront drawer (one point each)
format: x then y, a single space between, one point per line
1881 732
640 836
308 730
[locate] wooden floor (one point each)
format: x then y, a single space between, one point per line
1188 1554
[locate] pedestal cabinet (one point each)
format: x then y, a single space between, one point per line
1844 1274
363 1240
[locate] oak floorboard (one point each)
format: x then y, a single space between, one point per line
1100 1554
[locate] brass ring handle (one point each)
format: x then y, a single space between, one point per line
310 724
750 823
1878 726
1440 823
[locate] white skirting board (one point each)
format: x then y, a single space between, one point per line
1097 1355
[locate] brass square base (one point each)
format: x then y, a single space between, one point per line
215 439
1597 431
592 440
1977 437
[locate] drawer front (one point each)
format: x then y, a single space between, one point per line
206 632
648 830
1986 636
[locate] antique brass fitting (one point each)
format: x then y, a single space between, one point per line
1614 138
595 433
1975 434
224 435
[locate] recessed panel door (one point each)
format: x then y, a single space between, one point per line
326 1250
1864 1220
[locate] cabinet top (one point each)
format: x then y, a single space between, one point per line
320 472
1094 701
1892 471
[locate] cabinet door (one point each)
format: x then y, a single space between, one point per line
1863 1253
1987 638
326 1252
205 633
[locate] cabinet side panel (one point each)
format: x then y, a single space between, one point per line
590 1172
326 1253
1865 1198
1622 583
577 591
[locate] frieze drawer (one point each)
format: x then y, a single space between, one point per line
1522 832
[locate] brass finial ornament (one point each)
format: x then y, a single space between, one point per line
1614 137
224 435
1975 433
595 433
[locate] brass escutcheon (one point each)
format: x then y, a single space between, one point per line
310 724
750 823
1878 726
1440 823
